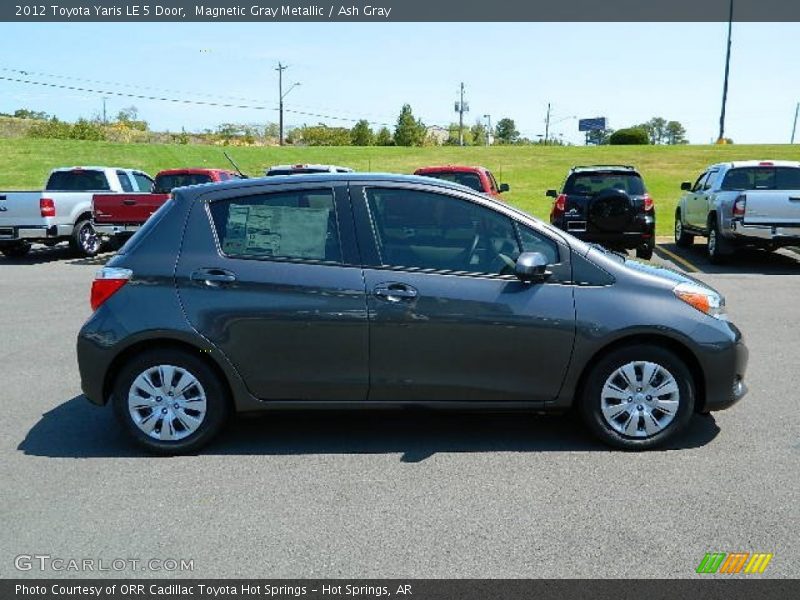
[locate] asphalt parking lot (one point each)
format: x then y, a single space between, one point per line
396 494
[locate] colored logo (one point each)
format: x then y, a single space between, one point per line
734 562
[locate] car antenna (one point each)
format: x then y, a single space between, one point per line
235 166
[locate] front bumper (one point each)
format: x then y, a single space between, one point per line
725 384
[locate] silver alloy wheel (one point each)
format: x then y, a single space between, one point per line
640 399
712 242
678 229
167 403
88 239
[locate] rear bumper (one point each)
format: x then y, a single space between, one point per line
112 230
32 233
638 233
775 234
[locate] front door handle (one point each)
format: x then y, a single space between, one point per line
395 292
213 277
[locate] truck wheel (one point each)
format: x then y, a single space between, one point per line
682 239
645 251
84 240
718 248
637 397
170 401
16 251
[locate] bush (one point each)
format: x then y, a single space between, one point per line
633 136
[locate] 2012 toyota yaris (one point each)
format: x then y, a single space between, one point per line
343 290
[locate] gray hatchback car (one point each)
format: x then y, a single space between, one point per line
366 290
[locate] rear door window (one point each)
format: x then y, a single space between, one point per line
124 181
143 182
78 180
297 225
590 184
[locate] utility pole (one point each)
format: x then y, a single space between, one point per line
547 125
461 108
104 110
488 127
280 69
794 127
721 138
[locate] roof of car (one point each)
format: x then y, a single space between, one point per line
737 164
301 167
450 168
192 171
354 177
626 168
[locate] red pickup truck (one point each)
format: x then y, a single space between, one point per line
477 178
122 214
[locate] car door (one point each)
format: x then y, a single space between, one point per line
691 216
447 319
271 276
705 198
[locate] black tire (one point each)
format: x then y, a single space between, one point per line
645 251
16 250
717 247
682 239
216 398
84 240
591 399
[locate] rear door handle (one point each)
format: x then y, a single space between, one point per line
129 202
395 292
794 198
213 277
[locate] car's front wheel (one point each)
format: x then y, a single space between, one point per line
170 401
637 397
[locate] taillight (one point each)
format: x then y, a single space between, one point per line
739 206
106 283
648 203
47 207
559 206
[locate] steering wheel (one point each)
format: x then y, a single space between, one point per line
473 247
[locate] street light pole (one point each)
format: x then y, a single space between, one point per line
794 127
721 138
280 69
488 127
547 125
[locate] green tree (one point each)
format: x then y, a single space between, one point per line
506 131
598 137
384 137
479 133
24 113
409 131
632 136
676 133
453 135
361 134
322 135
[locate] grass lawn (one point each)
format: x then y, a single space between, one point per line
529 170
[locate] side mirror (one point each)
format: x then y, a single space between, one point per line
531 266
552 194
504 187
686 186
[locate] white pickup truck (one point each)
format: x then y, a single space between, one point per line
753 203
63 210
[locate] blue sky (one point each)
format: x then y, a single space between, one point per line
626 72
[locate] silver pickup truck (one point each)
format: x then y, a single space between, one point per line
755 203
63 210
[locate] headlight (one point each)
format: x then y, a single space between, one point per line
701 298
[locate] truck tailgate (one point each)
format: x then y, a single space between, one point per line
772 207
20 208
125 209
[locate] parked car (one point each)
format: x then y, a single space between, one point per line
119 215
305 170
63 210
609 205
366 290
734 204
479 179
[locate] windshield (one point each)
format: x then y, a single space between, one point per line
166 183
471 180
78 181
589 184
310 171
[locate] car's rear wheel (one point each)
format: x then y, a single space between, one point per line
16 250
717 246
645 251
682 239
85 240
170 401
637 397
